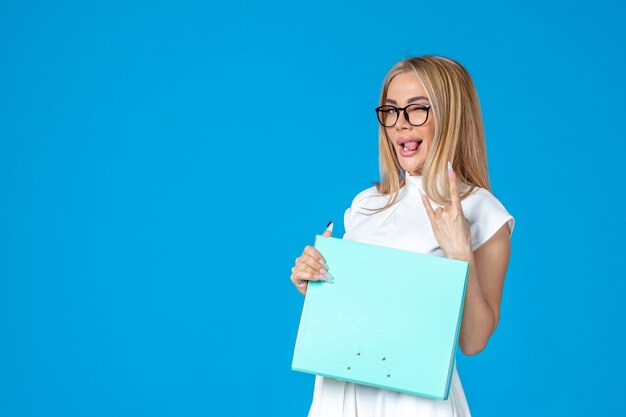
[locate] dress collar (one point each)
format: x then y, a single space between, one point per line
412 180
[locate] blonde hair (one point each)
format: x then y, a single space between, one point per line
459 132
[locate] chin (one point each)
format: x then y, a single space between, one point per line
411 167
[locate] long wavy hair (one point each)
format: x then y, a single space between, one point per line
459 132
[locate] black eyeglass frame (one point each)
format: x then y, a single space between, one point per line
406 114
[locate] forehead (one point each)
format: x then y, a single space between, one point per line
404 86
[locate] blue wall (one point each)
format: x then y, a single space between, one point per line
163 164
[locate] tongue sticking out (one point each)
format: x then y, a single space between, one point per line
410 146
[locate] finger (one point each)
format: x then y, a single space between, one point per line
313 264
454 187
311 251
429 209
302 267
329 229
298 276
309 262
306 276
327 233
303 287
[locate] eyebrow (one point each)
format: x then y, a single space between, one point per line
411 100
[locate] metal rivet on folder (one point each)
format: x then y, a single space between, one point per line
388 375
349 367
383 358
358 353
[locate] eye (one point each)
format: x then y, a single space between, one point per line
389 110
418 108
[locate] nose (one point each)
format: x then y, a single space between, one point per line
402 122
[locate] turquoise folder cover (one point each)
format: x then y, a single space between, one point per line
390 319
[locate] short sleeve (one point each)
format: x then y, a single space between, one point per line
356 204
486 215
346 220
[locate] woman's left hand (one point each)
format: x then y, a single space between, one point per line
449 225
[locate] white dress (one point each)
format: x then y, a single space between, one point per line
405 225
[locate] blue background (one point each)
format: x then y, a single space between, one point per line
162 164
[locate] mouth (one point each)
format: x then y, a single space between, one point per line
409 147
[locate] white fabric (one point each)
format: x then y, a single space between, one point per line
405 225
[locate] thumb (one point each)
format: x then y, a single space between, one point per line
329 229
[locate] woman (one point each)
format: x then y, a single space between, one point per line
433 197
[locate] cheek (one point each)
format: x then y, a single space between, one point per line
391 140
428 137
431 132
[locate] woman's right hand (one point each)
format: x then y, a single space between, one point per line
310 266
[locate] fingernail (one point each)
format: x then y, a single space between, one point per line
323 278
329 226
324 272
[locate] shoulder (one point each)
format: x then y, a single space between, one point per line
365 195
368 198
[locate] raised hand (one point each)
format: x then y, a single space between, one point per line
449 225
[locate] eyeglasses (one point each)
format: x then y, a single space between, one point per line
415 114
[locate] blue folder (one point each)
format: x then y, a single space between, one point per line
390 319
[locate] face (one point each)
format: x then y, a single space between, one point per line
405 89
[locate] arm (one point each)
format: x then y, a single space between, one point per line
481 312
487 267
